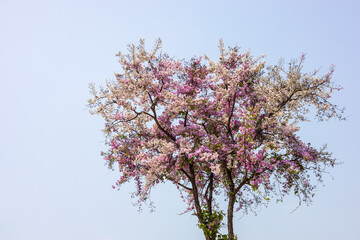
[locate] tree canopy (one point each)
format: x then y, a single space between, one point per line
225 127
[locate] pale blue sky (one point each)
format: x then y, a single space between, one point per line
53 182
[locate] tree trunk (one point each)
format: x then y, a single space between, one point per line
199 215
230 215
196 200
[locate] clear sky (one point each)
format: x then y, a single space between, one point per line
53 182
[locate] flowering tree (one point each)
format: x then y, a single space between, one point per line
224 127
